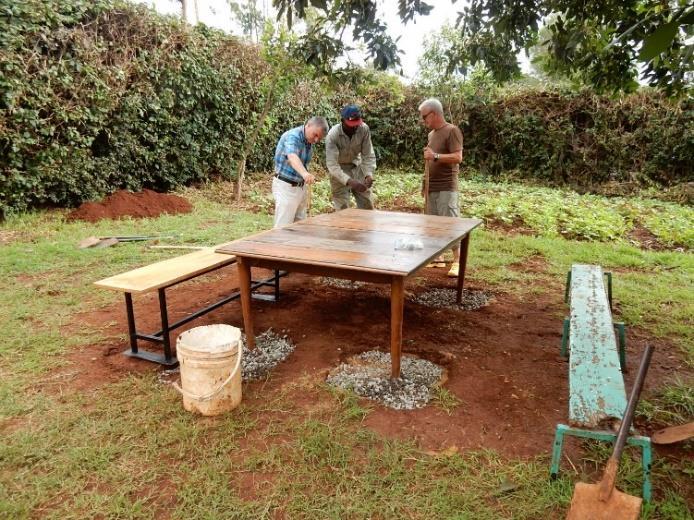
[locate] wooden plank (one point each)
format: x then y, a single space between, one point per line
334 239
343 272
596 385
392 221
166 272
397 262
359 239
375 231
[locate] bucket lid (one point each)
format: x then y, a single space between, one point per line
209 339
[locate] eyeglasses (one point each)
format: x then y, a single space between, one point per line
424 116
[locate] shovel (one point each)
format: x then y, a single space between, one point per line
602 501
674 434
99 242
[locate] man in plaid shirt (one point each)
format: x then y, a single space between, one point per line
292 156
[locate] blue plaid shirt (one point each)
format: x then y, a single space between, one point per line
292 141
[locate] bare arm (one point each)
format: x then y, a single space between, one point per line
295 162
446 158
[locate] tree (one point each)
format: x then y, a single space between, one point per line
185 8
277 45
249 17
322 43
610 42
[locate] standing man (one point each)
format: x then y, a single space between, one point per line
293 153
442 155
351 161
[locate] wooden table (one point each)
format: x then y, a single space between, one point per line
353 244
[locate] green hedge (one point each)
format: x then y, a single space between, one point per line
99 95
582 138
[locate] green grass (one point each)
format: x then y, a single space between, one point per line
672 405
446 400
546 211
128 449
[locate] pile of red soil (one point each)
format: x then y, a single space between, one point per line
147 203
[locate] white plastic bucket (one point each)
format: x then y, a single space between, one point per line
210 361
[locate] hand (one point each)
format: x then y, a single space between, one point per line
428 154
357 186
368 181
309 179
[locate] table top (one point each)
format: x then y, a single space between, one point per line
356 239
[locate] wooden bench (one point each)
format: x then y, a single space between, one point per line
597 393
160 276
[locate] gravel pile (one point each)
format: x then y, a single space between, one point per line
445 299
368 375
339 283
270 350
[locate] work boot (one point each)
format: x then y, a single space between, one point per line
453 273
437 262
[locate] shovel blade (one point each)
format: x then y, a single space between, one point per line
88 242
106 242
673 434
586 504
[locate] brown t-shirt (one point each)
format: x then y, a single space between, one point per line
447 139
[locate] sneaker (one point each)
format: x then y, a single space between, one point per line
453 273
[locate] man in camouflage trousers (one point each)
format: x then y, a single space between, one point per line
351 161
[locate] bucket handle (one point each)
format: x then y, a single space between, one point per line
219 389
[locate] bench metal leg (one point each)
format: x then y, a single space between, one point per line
621 332
132 331
273 282
568 287
609 287
160 337
635 440
165 325
556 450
565 338
163 336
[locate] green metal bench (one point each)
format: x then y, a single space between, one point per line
596 385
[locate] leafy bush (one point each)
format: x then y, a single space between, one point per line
102 95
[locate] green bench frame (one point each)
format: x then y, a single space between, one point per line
596 386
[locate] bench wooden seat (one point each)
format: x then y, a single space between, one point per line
167 272
164 274
597 393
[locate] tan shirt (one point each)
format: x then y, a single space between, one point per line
343 153
444 176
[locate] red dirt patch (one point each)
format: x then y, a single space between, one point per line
644 239
502 360
144 204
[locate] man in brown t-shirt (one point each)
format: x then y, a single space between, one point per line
442 155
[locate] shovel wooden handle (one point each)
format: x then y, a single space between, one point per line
608 479
426 186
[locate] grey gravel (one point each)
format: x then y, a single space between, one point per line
368 375
445 299
340 283
270 350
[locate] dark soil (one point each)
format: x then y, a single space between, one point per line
144 204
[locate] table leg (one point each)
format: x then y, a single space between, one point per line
245 288
462 264
397 304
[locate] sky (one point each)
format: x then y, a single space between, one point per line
216 13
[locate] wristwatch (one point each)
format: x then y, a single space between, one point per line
436 157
